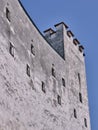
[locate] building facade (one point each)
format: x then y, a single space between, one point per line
42 78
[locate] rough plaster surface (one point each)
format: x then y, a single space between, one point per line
23 104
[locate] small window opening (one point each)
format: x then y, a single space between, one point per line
53 72
75 113
8 14
59 99
63 82
43 87
11 49
28 70
80 97
32 49
85 122
79 79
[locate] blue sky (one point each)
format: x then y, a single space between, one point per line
82 18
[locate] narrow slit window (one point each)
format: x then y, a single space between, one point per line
85 122
59 99
11 49
79 79
28 70
43 87
8 14
80 97
63 82
75 113
53 72
32 49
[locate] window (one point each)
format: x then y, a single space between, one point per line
28 70
85 122
75 113
63 82
59 99
80 97
32 49
53 72
79 79
8 14
43 87
11 49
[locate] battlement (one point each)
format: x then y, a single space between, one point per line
59 24
70 34
56 38
49 31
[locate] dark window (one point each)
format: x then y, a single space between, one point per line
8 14
79 78
59 99
28 70
85 122
75 113
53 72
63 82
32 49
80 97
43 87
11 49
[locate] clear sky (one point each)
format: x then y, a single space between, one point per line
82 18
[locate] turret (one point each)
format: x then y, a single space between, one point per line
61 37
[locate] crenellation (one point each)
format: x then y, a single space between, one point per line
70 34
49 32
56 39
60 24
75 41
81 48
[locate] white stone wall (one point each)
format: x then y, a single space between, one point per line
23 104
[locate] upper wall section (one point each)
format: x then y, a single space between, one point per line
59 37
17 28
54 38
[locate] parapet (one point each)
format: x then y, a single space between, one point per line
59 24
76 42
49 31
70 34
55 38
81 48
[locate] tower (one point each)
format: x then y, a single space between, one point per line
73 54
42 78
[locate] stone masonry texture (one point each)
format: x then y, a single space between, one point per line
41 77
